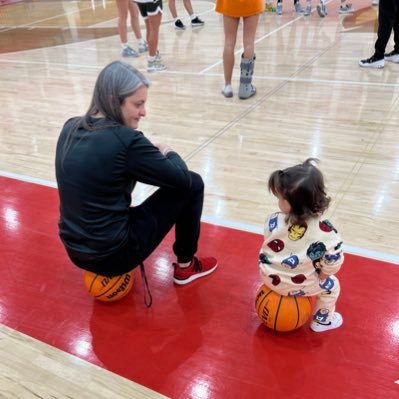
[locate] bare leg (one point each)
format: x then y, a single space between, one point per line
250 25
154 22
134 19
172 8
230 25
123 7
188 7
147 29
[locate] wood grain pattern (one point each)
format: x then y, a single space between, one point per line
312 100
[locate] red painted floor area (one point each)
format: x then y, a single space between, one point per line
203 340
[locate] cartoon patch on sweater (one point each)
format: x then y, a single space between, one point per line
276 245
316 250
264 259
290 262
326 226
321 315
297 231
273 222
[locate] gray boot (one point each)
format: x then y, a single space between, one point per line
247 89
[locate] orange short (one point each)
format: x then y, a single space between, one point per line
240 8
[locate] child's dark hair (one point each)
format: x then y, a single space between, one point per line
303 187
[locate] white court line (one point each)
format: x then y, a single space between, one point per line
256 41
259 230
261 38
29 179
397 382
226 223
187 73
46 19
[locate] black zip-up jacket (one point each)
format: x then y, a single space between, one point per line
96 177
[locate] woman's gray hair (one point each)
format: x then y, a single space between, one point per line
115 82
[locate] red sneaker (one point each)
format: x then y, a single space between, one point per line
199 267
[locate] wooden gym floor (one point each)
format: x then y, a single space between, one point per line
205 340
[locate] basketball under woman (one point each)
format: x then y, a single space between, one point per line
99 159
302 251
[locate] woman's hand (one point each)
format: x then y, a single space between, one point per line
323 276
163 148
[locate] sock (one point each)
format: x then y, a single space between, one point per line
141 41
184 265
151 58
193 17
125 45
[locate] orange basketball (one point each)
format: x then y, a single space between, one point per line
108 289
282 313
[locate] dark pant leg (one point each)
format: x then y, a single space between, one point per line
396 27
386 21
153 219
149 223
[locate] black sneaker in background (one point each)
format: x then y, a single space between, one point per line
197 22
372 62
393 56
179 25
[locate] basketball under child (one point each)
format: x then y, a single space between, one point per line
302 251
99 159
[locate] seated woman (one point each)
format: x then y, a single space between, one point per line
99 159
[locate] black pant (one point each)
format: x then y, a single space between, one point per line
149 223
388 19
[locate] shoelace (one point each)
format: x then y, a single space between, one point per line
197 267
146 287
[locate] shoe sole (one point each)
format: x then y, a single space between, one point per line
228 94
392 59
315 326
194 277
246 98
375 66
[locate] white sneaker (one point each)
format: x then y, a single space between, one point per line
308 10
393 56
346 9
143 47
298 8
129 52
372 62
336 321
156 65
227 91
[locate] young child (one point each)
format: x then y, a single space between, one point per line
302 251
